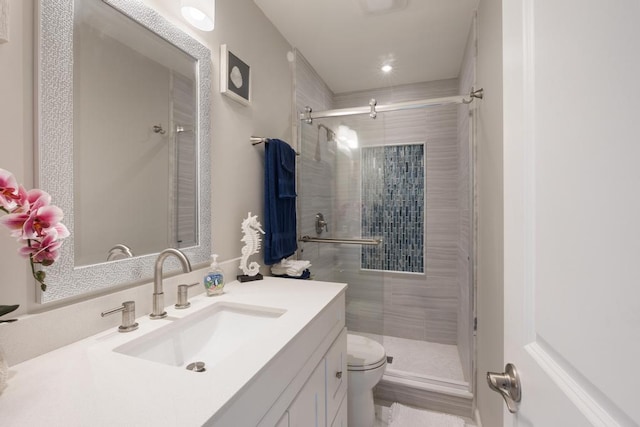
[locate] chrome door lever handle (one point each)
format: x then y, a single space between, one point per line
508 385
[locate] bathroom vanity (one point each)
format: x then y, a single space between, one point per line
275 355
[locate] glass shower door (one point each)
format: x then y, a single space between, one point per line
330 190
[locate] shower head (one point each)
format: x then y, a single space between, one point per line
331 136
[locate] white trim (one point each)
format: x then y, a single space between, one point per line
529 168
584 400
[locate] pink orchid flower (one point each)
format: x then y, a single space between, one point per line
40 221
43 252
61 230
34 217
8 190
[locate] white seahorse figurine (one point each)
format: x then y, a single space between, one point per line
250 228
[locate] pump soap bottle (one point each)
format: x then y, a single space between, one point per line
214 280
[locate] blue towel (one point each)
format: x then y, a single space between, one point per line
279 201
287 170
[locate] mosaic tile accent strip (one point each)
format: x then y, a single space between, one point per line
393 189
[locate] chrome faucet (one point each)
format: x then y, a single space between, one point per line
158 295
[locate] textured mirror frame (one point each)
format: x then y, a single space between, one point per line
54 151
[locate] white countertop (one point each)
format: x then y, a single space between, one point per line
86 383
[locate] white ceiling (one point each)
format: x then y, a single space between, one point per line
425 40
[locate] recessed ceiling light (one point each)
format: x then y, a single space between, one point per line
386 68
381 6
199 13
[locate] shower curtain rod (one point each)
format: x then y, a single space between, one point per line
373 108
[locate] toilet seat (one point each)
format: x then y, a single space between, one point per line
364 354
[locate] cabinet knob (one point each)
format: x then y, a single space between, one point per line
339 374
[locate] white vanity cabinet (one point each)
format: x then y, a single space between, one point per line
292 373
322 400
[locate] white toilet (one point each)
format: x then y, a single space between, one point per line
366 360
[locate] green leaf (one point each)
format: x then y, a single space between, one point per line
5 309
40 276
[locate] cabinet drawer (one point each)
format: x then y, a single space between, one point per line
336 362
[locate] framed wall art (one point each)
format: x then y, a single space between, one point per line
235 77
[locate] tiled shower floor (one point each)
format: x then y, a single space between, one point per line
421 358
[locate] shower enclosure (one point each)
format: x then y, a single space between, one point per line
385 205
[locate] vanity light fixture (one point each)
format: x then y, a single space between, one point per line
199 13
386 68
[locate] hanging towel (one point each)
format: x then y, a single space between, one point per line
279 201
286 171
405 416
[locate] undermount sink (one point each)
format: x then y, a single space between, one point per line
208 336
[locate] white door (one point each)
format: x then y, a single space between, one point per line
572 210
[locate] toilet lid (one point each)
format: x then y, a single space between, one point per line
364 353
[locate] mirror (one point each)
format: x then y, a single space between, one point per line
123 141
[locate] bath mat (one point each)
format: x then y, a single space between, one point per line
404 416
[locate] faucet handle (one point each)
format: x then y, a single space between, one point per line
128 309
183 301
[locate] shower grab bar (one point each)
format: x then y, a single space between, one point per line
367 242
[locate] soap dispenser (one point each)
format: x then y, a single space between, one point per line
214 280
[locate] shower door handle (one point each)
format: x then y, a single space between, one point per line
508 385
